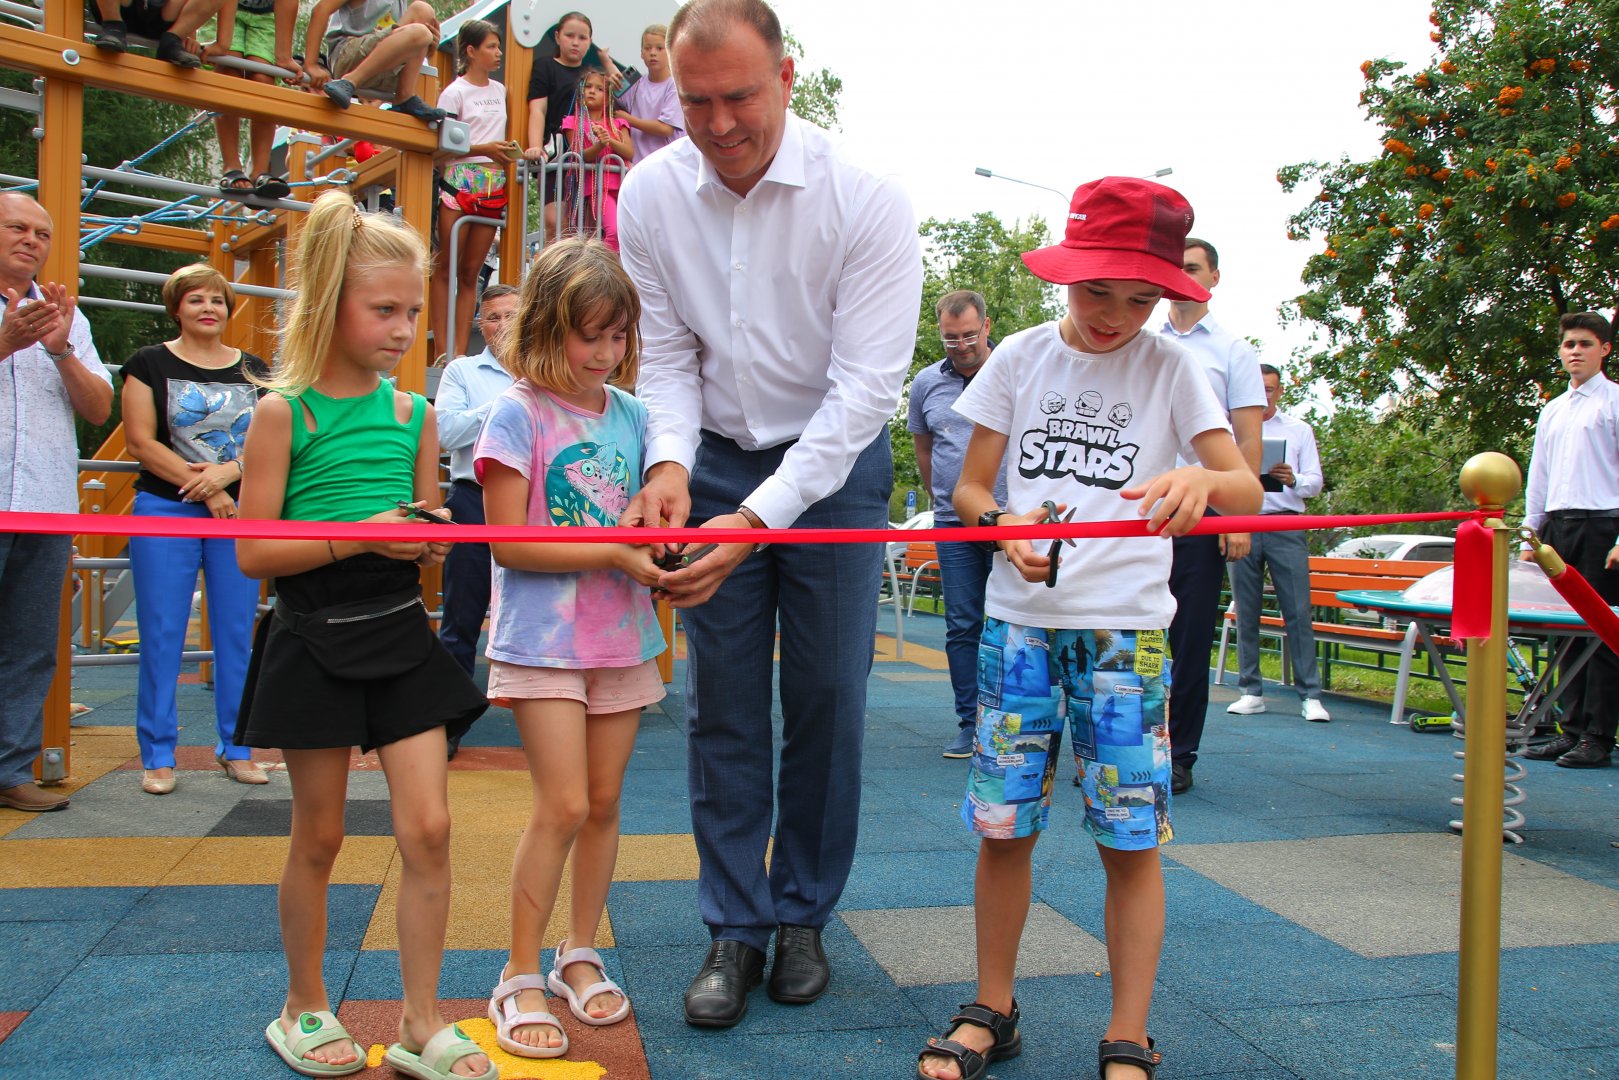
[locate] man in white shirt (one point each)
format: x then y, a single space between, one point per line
779 287
1288 483
1573 502
469 386
49 371
1232 367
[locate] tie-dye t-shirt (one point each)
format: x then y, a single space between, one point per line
582 468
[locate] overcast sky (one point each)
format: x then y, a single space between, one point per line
1058 92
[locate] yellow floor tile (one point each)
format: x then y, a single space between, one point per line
920 655
89 862
657 858
257 860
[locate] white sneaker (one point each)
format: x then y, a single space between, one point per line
1247 705
1316 712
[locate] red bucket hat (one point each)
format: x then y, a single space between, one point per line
1122 228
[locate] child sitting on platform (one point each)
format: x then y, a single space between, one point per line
253 30
1093 412
371 45
170 24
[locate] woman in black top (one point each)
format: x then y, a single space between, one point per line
551 88
187 403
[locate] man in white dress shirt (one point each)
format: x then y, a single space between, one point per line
49 371
780 286
468 388
1292 480
1573 502
1198 571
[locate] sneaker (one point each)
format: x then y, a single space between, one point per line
421 110
1247 705
172 48
341 92
1180 778
32 798
1315 712
112 36
962 745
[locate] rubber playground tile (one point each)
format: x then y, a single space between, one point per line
1273 965
86 863
1546 997
921 946
258 860
67 905
885 829
1405 1036
369 784
115 806
38 955
209 1007
656 913
224 919
486 758
888 879
1309 826
466 973
595 1053
9 1022
808 1050
273 817
654 802
667 857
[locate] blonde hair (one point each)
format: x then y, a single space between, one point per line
189 279
657 29
338 242
575 283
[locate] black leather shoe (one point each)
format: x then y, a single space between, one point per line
800 973
1588 754
718 997
1551 751
1180 778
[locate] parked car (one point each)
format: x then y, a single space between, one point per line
1402 546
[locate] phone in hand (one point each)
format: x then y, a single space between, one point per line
421 514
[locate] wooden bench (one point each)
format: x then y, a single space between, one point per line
1334 624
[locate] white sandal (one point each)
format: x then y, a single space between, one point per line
576 1001
504 1015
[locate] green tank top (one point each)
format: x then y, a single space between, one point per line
359 461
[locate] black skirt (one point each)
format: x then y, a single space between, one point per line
292 702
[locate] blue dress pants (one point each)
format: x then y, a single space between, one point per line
824 599
31 572
467 576
964 570
165 572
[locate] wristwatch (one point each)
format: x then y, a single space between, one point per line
987 520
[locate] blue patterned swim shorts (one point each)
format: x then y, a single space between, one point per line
1112 687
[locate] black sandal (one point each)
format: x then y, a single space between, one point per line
235 182
1124 1052
270 186
1008 1041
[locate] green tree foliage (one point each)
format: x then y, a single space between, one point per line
1492 209
979 253
815 93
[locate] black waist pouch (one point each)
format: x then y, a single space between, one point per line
375 638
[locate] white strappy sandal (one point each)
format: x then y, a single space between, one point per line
576 1001
504 1015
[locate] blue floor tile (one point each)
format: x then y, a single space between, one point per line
106 905
230 918
39 955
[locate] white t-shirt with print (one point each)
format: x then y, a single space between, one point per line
483 108
1080 427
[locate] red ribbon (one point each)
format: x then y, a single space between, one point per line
250 528
1573 587
1472 586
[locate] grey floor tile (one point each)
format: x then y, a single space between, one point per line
920 946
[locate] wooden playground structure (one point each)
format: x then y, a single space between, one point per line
247 247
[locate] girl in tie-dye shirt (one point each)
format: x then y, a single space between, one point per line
572 634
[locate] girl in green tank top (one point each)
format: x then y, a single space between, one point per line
337 442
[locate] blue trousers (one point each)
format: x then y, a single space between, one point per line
165 572
31 573
1288 556
824 597
964 569
1194 580
467 575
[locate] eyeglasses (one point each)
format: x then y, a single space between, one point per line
968 342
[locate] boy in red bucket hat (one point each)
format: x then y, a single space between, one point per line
1089 412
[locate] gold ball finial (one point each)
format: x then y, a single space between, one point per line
1491 480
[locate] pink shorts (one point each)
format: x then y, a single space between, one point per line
601 690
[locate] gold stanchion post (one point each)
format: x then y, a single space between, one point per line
1491 481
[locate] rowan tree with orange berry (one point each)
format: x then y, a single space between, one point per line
1443 264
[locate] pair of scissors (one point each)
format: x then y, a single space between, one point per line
1055 553
679 560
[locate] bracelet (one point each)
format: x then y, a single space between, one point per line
331 549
